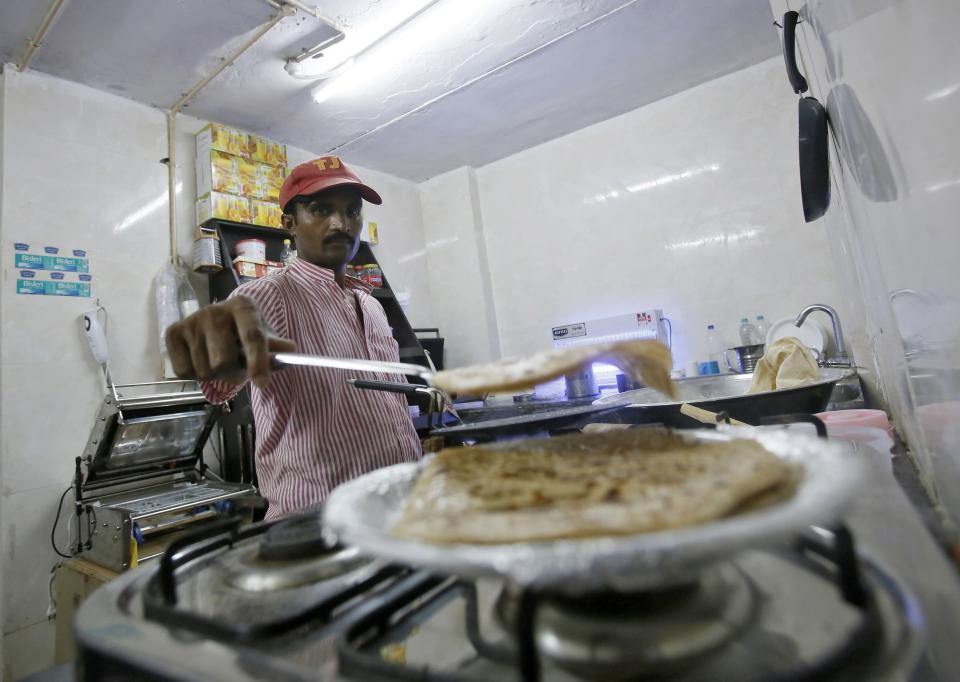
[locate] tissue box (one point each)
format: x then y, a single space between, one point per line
267 151
266 213
216 136
223 206
218 171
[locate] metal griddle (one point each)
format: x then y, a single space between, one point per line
362 511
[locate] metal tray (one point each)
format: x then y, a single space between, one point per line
362 511
725 393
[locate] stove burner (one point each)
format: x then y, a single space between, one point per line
249 571
299 537
612 636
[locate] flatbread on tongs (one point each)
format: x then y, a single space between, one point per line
585 485
646 361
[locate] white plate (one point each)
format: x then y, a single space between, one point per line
811 334
361 512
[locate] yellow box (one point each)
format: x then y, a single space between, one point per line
224 207
216 136
250 185
267 151
218 172
266 213
271 180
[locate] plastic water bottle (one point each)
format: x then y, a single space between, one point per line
186 297
762 328
714 352
287 253
748 333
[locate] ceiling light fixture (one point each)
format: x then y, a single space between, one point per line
419 29
333 56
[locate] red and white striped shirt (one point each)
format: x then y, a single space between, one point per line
314 430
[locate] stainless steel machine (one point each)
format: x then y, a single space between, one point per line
141 481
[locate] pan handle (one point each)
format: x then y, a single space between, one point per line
391 386
797 81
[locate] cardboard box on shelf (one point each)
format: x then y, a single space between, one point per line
218 171
266 213
223 206
216 136
271 180
250 185
249 268
267 151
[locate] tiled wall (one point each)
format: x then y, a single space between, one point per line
81 169
456 262
690 204
887 73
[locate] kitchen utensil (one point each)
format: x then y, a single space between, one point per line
747 357
541 421
725 393
648 358
810 333
362 511
813 131
706 416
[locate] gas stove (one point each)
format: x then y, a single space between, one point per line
277 602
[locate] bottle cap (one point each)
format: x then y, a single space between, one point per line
759 317
743 319
710 326
287 242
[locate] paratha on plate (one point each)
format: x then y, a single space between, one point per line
646 361
585 485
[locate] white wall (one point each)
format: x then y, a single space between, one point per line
81 169
690 204
456 262
887 74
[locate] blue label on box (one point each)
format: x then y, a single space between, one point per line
79 253
66 264
51 249
20 246
28 260
27 273
56 275
28 286
85 278
60 263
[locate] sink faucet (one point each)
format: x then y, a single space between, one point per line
841 358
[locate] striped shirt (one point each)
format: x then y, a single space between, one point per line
313 429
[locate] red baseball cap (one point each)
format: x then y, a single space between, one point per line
320 174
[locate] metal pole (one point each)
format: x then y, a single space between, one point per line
37 40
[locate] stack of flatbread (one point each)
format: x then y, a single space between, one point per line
585 485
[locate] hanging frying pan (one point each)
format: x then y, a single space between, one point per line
812 119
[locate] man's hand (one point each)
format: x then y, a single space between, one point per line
220 340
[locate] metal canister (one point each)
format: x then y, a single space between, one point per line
206 251
582 383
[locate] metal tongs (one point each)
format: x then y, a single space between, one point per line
278 360
437 399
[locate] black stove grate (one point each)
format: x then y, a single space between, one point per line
834 559
160 600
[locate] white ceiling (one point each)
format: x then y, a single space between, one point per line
465 82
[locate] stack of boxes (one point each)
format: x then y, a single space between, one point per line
239 176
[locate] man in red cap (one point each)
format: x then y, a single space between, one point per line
314 430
